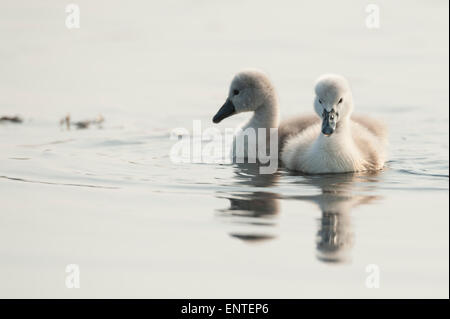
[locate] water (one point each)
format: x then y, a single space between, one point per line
139 225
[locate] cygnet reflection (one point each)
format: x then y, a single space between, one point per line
252 213
339 195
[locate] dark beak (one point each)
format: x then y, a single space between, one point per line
225 111
328 125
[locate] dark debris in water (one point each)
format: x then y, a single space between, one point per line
11 119
68 123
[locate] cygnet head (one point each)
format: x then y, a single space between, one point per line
249 90
333 102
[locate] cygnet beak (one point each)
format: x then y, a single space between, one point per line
225 111
328 122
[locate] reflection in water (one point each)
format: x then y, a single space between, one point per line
335 237
255 204
338 197
253 209
254 212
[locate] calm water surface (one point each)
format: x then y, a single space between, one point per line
110 199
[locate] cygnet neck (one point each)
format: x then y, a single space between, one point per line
266 116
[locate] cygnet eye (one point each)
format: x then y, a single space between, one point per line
340 101
320 101
236 92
